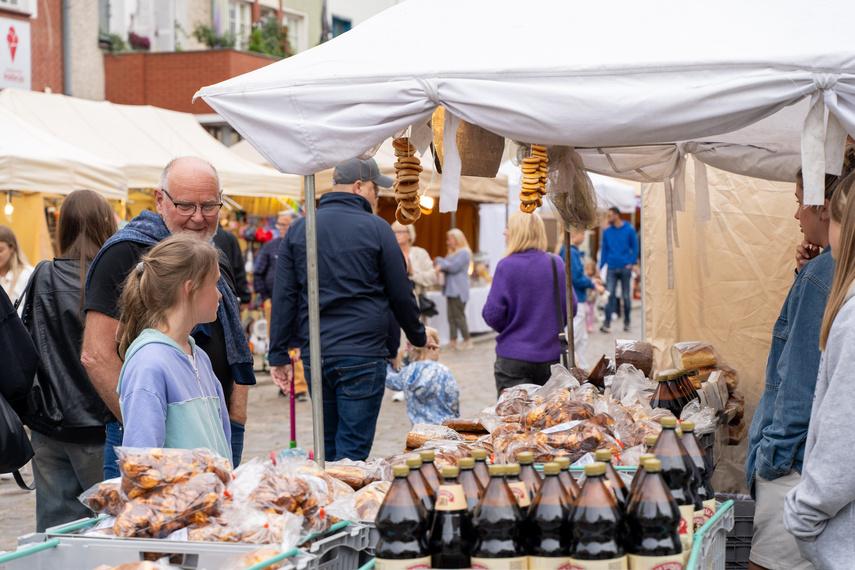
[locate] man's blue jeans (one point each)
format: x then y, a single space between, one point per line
624 274
353 389
115 434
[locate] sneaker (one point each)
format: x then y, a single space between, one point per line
398 397
466 346
302 397
605 329
626 327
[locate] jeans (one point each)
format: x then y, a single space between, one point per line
624 274
457 318
237 442
510 372
115 435
353 389
62 471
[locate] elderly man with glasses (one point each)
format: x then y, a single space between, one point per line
188 199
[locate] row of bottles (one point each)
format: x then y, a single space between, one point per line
520 520
673 391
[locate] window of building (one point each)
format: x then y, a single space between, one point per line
240 13
27 6
297 24
340 26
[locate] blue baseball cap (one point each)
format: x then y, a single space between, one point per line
364 170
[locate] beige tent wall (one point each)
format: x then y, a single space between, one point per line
731 275
30 226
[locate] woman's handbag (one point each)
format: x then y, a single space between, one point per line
427 308
562 335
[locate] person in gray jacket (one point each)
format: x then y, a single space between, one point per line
455 270
820 511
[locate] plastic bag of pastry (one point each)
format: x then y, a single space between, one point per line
104 527
105 497
629 455
578 437
629 383
637 353
250 559
736 431
145 469
351 472
447 452
730 375
693 354
736 401
704 418
381 470
160 513
515 400
472 425
559 378
528 442
247 478
556 411
422 433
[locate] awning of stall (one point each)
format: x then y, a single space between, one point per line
142 140
33 160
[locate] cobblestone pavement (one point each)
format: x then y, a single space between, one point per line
268 426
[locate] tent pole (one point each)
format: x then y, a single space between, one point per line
641 269
568 276
314 320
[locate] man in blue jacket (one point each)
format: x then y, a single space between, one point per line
620 253
362 275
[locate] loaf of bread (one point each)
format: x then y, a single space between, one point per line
691 355
637 353
730 375
350 474
472 425
737 402
598 373
422 433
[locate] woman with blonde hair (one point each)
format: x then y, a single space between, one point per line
521 305
820 510
455 268
14 269
420 269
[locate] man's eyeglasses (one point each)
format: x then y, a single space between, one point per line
189 208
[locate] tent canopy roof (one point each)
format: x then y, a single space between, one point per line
548 76
142 140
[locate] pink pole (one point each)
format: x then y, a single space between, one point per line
293 400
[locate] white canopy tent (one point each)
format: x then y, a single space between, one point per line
141 140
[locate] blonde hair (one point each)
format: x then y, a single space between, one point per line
411 231
154 285
459 239
525 231
841 211
17 261
421 353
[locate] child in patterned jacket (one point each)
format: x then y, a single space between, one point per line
430 390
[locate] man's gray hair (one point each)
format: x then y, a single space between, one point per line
294 215
163 183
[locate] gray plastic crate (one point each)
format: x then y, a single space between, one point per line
341 550
709 551
739 539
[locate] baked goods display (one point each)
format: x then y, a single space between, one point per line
691 355
408 168
422 433
635 352
106 497
534 172
144 470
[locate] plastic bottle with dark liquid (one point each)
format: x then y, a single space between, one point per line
598 526
549 534
517 485
451 537
402 524
652 521
686 382
703 464
471 487
665 396
417 481
613 479
639 475
678 472
528 473
479 454
497 524
567 478
428 469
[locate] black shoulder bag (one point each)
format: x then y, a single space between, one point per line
562 335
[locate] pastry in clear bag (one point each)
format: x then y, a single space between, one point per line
105 497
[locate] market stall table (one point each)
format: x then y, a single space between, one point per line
477 300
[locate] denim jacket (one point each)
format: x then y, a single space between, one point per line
776 441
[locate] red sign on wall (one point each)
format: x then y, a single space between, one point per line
15 54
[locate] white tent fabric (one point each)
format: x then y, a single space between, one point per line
547 76
31 160
142 140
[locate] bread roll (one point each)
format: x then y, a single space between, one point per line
691 355
637 353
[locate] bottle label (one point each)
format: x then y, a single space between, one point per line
520 493
411 564
516 563
687 530
709 509
450 498
544 563
699 520
610 564
673 562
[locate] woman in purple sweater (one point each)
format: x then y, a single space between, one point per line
521 305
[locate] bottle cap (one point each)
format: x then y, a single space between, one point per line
563 462
687 426
603 455
479 454
400 470
466 463
666 423
644 457
450 472
496 470
594 469
551 469
650 440
666 375
512 470
414 462
427 455
525 458
653 465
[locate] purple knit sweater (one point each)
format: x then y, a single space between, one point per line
521 306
